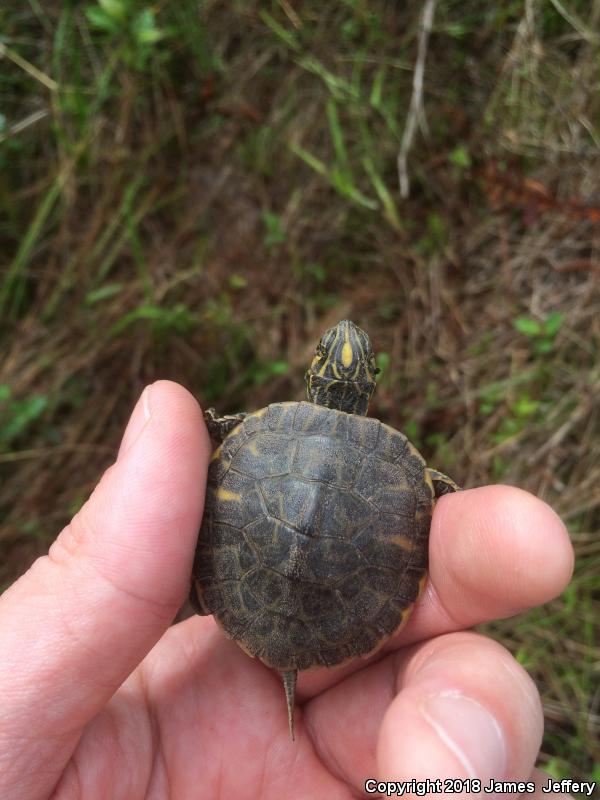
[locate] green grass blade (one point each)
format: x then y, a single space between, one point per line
387 201
340 88
287 37
13 285
337 138
312 161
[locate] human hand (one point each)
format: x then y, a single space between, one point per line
100 698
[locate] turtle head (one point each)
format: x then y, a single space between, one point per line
342 373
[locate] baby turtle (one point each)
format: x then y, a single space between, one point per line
313 546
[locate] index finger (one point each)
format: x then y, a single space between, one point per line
493 552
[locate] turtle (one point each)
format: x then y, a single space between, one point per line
313 547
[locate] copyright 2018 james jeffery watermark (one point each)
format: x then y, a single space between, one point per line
455 786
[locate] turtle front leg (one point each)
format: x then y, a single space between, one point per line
219 427
442 484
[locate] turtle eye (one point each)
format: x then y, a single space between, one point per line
321 350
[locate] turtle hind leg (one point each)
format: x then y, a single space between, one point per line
196 601
442 484
219 427
289 678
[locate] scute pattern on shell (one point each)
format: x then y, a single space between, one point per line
315 534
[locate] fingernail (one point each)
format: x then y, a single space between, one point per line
137 422
470 733
145 398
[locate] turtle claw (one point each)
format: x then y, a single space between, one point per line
442 484
220 427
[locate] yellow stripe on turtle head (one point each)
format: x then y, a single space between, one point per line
347 353
342 372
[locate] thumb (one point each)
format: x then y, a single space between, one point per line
81 619
466 710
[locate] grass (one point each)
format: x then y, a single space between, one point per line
197 194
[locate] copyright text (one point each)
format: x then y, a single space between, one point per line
458 785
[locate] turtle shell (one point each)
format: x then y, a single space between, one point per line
314 541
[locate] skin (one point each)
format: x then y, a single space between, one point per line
100 697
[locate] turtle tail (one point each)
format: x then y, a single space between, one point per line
289 684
